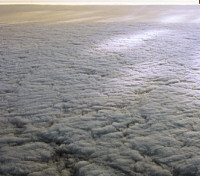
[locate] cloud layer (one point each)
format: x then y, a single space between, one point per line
74 103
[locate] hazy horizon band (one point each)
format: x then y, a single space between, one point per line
102 2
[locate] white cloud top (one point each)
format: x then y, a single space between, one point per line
99 98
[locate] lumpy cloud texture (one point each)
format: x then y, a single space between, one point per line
100 99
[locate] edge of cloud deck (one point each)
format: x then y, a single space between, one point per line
104 2
74 14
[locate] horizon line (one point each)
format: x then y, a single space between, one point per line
98 3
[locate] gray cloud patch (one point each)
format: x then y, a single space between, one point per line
73 102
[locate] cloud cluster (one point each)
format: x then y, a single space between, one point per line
72 107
